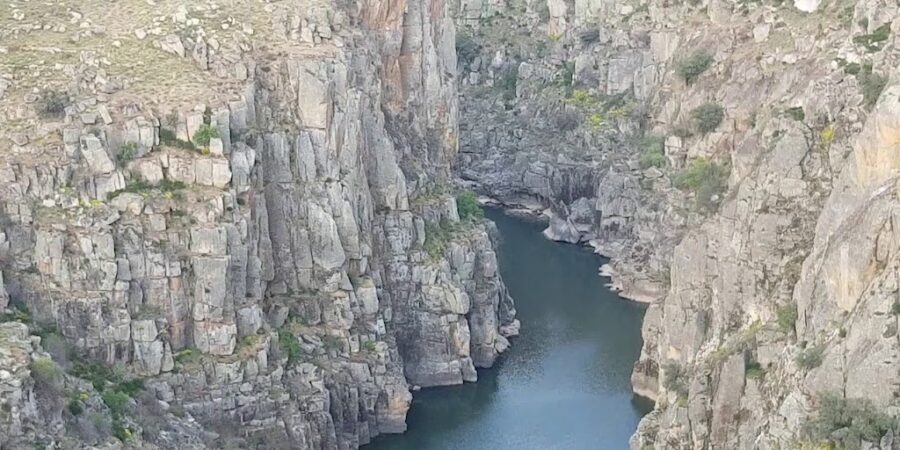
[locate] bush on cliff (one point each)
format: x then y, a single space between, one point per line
467 206
708 117
693 66
845 423
652 151
705 179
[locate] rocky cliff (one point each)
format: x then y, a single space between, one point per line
228 224
737 160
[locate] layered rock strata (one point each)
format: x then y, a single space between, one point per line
231 203
734 159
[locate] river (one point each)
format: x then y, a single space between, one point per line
564 384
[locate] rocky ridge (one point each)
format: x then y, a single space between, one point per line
237 207
736 160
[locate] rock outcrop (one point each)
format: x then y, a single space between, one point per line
231 204
737 162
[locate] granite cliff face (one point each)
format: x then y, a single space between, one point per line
737 160
242 206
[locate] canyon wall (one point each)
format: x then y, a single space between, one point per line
228 225
738 162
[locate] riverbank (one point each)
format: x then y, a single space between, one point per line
565 382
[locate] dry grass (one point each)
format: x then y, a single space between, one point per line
38 45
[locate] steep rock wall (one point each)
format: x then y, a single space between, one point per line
232 202
756 219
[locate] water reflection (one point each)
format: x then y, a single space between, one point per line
565 382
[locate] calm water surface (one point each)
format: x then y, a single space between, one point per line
564 384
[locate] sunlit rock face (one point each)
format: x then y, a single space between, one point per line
232 202
738 164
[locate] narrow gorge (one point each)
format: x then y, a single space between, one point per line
253 224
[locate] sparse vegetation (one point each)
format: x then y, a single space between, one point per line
895 308
116 401
872 85
652 151
289 346
205 134
567 76
333 343
876 40
18 313
435 240
845 423
827 136
705 179
75 407
167 137
466 48
567 120
694 65
53 103
467 206
786 317
127 153
369 346
169 188
796 113
675 380
754 370
599 111
508 82
47 375
708 117
811 357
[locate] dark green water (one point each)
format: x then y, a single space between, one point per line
564 384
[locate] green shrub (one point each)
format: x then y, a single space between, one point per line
436 239
583 99
47 375
508 82
19 312
754 370
131 387
167 137
875 41
811 358
852 68
872 85
568 74
116 401
693 176
466 48
53 103
708 117
693 66
845 423
369 346
704 179
121 432
76 407
675 379
128 152
289 346
467 206
188 356
167 185
205 134
786 317
796 113
895 308
652 151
